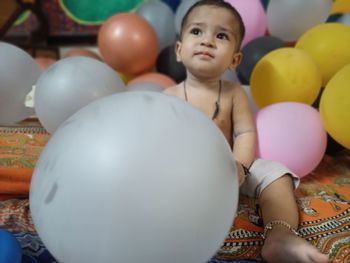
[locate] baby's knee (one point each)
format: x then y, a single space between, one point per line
263 173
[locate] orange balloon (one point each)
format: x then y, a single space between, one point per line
44 62
162 80
128 43
81 52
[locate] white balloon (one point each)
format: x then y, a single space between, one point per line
288 20
161 18
18 73
68 85
180 13
135 177
230 75
145 86
345 19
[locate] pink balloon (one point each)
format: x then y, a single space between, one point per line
254 18
291 133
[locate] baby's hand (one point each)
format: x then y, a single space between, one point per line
240 173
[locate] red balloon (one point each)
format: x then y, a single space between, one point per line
128 43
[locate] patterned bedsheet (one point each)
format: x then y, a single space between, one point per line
323 200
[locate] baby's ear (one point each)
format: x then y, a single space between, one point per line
178 51
236 60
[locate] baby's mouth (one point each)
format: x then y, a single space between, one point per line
204 53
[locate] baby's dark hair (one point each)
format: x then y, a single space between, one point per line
216 3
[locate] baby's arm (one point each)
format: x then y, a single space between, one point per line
244 130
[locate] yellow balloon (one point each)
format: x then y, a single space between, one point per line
125 78
285 74
335 107
341 6
328 44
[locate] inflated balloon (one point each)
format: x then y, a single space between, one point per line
145 86
18 73
125 78
10 249
241 79
128 43
70 84
254 51
340 6
162 19
230 75
138 164
90 12
285 128
335 107
333 18
265 3
172 3
253 16
158 78
285 74
167 64
288 20
181 12
345 19
81 52
44 62
328 45
333 147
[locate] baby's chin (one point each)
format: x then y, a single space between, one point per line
206 73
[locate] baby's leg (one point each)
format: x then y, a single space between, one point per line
281 245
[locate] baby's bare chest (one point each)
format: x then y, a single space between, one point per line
223 119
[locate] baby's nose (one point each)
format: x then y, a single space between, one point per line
208 41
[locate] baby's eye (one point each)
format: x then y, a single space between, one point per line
195 31
222 36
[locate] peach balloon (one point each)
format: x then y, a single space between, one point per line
44 62
160 79
128 43
82 52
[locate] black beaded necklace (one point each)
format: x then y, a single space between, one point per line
217 102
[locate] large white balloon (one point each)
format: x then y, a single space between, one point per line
135 177
70 84
162 19
18 73
288 20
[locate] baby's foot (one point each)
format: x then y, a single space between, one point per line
281 246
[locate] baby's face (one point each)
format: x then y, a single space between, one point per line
209 41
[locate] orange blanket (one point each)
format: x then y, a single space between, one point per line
20 146
324 207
